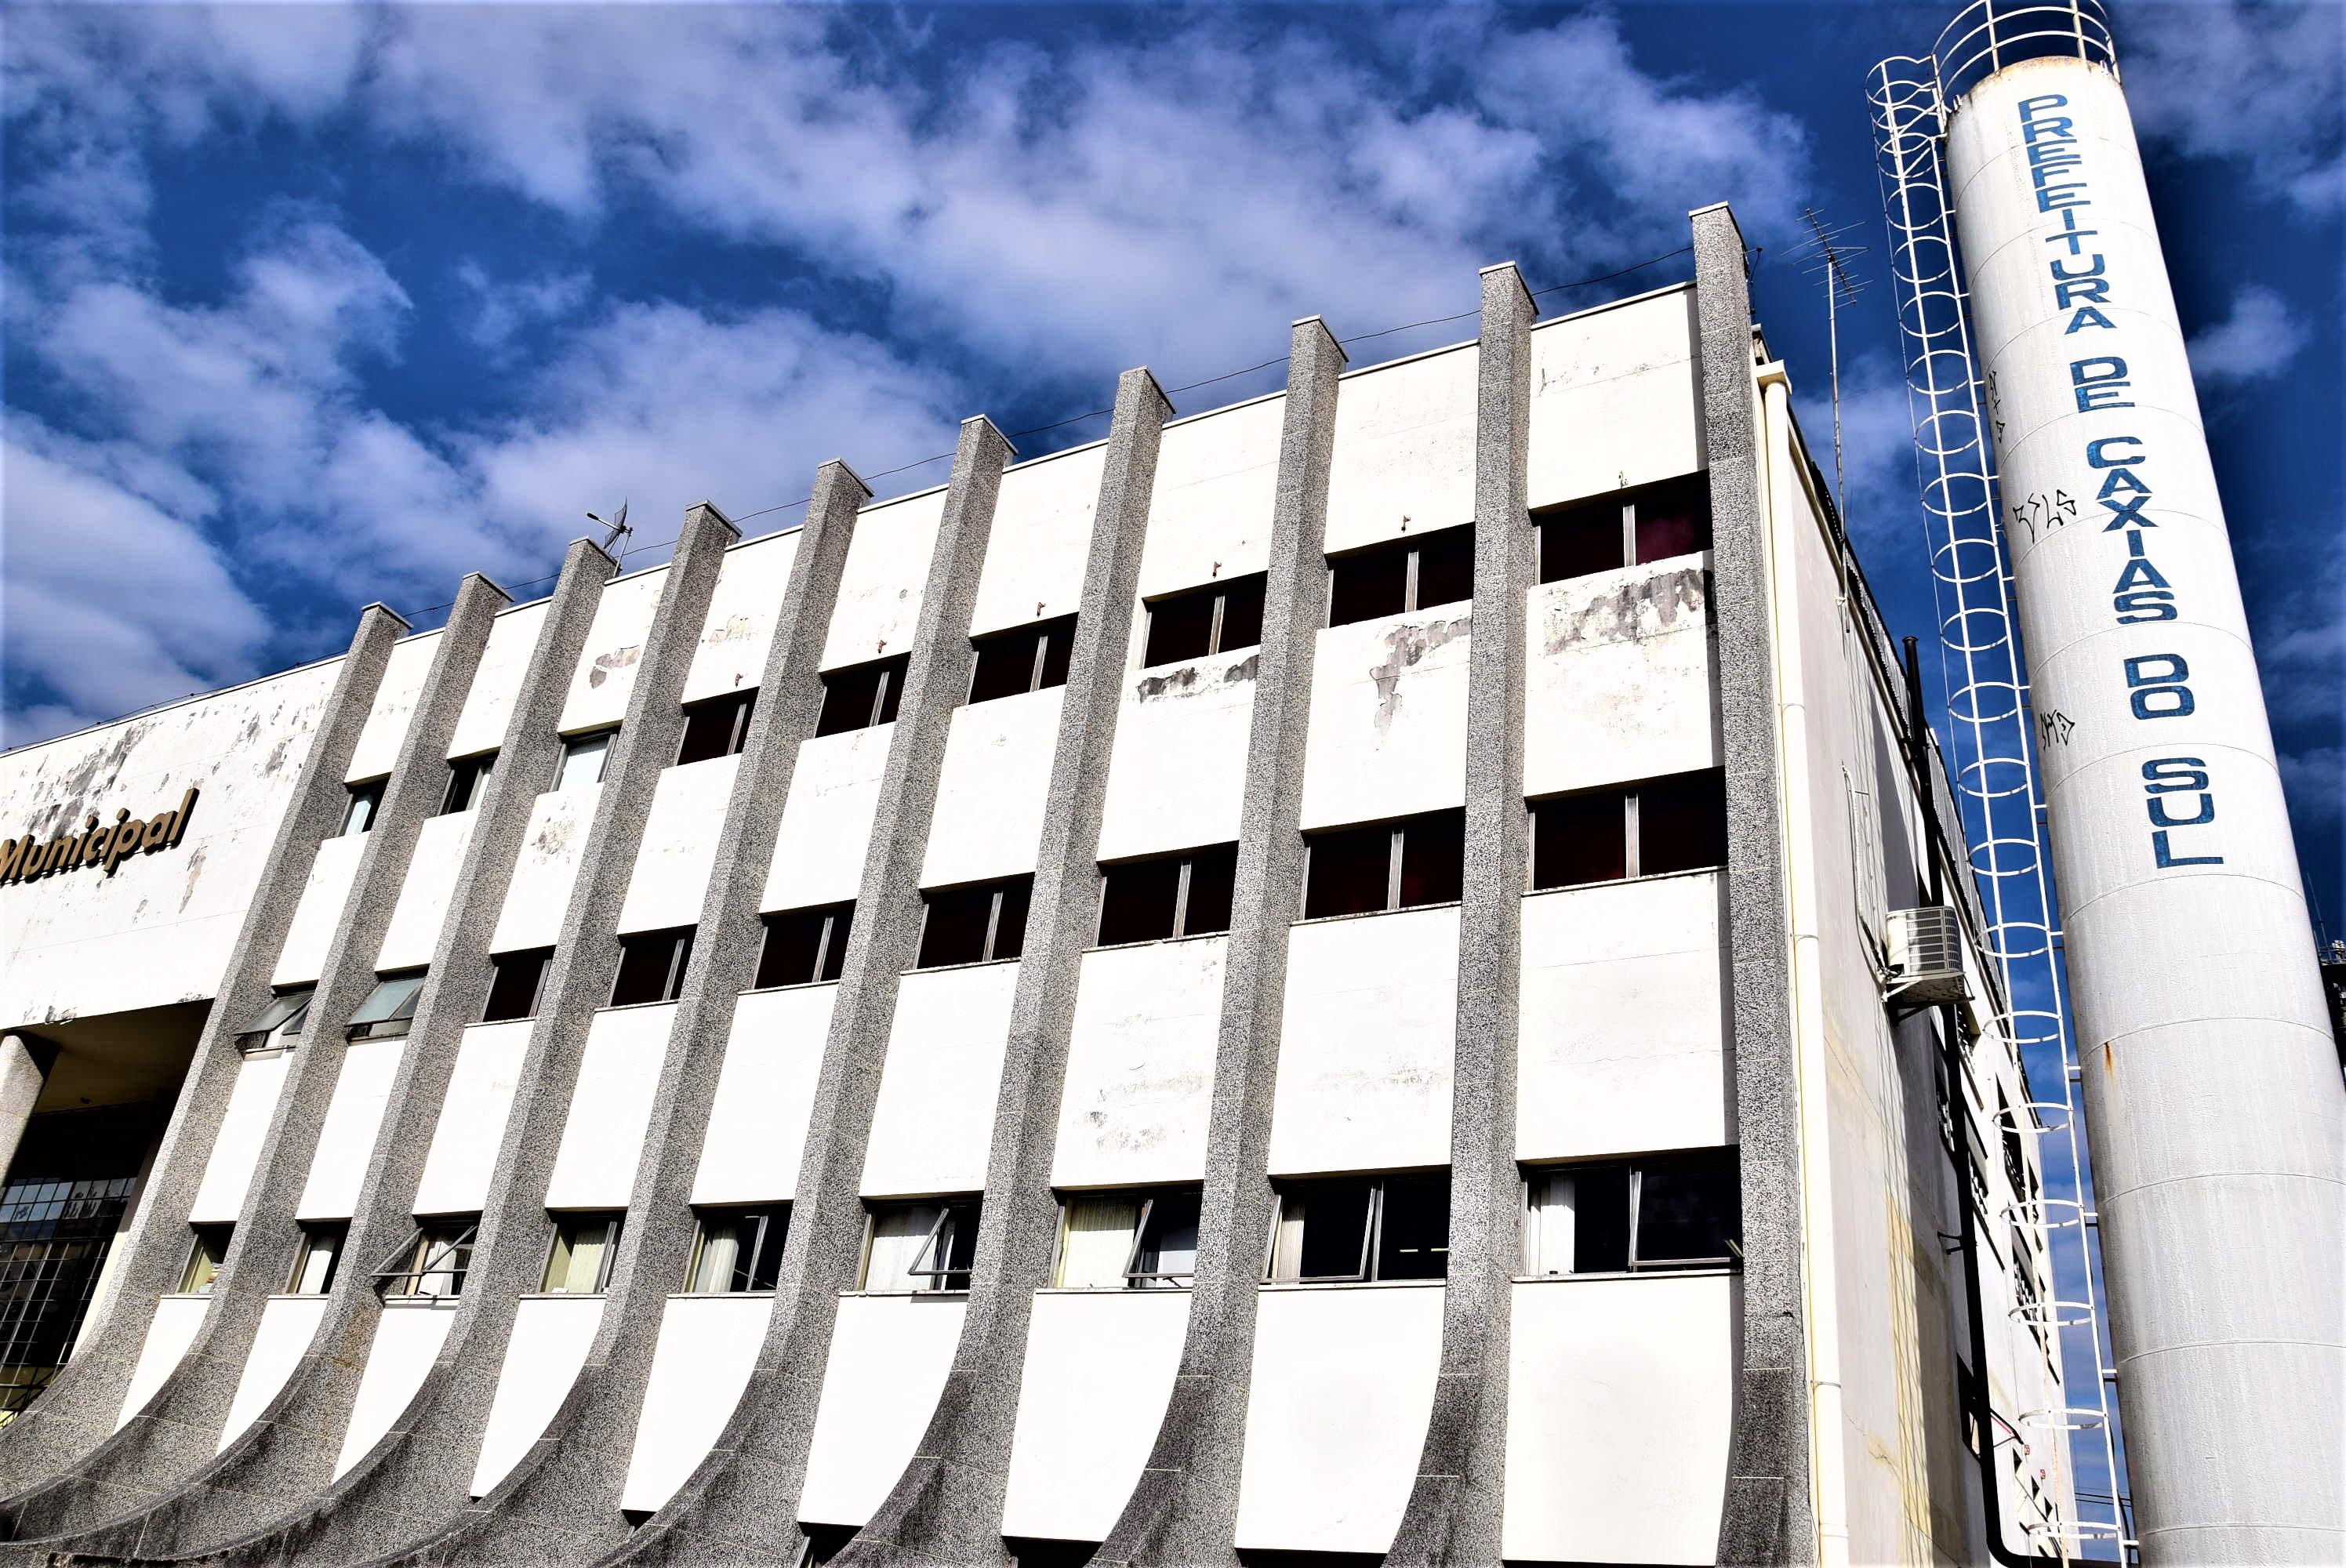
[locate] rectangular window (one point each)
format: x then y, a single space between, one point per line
921 1246
1350 1229
432 1261
1220 618
651 966
1626 1217
518 978
279 1025
1177 895
467 777
803 946
366 798
863 696
389 1010
717 727
582 759
313 1262
585 1248
976 924
1651 523
204 1259
1674 824
1401 865
738 1250
1023 659
1414 573
1129 1240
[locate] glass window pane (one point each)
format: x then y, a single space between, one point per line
792 950
359 815
953 929
1414 1242
1682 823
394 996
1348 872
1137 901
513 993
1098 1241
1213 874
1010 925
1335 1230
1242 614
719 1254
1579 540
1547 1224
1433 859
1445 568
1058 652
1369 584
898 1235
1688 1211
1600 1219
1674 519
581 1255
1170 1245
1180 628
1579 838
582 761
1005 666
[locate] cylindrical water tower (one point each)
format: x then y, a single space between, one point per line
2213 1100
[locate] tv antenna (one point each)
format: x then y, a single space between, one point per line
1826 257
617 527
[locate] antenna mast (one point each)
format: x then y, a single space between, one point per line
1827 257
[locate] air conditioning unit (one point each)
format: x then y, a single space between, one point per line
1926 959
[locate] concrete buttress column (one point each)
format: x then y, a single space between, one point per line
561 1501
740 1504
1455 1510
179 1428
79 1408
21 1078
420 1473
1769 1516
1184 1510
286 1457
947 1505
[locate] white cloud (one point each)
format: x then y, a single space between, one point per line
2256 339
504 307
2255 83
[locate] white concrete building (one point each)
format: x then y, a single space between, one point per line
1326 980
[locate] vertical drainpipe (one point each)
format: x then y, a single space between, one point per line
561 1501
1812 1074
79 1407
1184 1508
179 1430
946 1506
1768 1515
1455 1510
740 1504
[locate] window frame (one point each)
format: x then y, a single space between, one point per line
1185 862
892 673
312 1230
941 1235
422 1258
265 1033
1396 849
497 961
467 777
743 704
1536 1177
366 792
1144 1201
999 892
874 1210
402 1013
214 1263
1219 591
1695 484
1044 633
768 1216
1411 548
1372 1227
1632 847
614 1223
602 739
838 928
679 962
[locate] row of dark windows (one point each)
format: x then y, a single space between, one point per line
1396 577
1657 1213
1652 829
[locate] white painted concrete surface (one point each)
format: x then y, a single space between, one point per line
551 1336
889 1356
605 676
168 1334
346 1137
497 683
990 793
228 1171
406 1342
827 821
1388 718
1612 399
1175 778
319 914
545 869
1405 455
388 715
1042 534
1140 1064
1618 683
765 1096
431 887
741 610
934 1118
707 1349
288 1323
1336 1413
610 1106
471 1123
1209 513
679 845
1099 1368
880 588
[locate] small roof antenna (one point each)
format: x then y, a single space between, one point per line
618 526
1825 254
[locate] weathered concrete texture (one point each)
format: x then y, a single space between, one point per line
78 1409
947 1505
739 1504
1455 1509
1184 1511
21 1077
179 1428
416 1478
1769 1517
286 1459
561 1501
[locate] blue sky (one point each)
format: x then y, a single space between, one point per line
311 305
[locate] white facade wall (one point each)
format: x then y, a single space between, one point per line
1388 734
1623 1045
889 1356
1612 399
471 1123
160 929
1336 1413
741 610
1099 1369
545 869
707 1349
934 1118
497 682
288 1324
1619 679
550 1338
1041 537
406 1342
765 1096
610 1107
319 914
991 794
605 676
1140 1064
881 586
1365 1043
395 696
168 1334
227 1172
1403 459
430 889
1178 768
827 822
346 1139
679 845
1209 513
